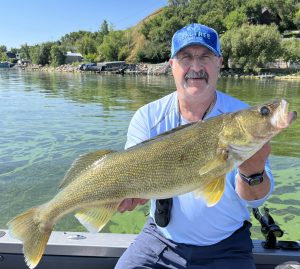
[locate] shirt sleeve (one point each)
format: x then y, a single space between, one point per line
138 130
259 202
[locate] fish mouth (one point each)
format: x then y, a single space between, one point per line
282 118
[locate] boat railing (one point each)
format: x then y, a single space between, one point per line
82 250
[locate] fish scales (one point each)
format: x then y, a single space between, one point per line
194 158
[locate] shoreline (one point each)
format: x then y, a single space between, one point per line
152 69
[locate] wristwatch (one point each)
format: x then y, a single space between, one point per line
254 179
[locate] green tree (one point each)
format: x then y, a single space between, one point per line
24 52
34 52
91 57
104 28
291 50
86 45
40 54
213 19
3 56
44 55
3 48
69 41
253 10
178 2
3 51
112 45
226 47
286 10
57 57
235 19
72 37
297 18
158 33
251 46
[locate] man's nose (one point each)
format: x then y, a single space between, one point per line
197 64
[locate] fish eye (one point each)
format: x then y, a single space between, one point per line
264 111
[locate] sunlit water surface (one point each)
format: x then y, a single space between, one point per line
48 120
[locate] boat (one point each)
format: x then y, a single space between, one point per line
266 76
81 250
6 64
113 67
71 250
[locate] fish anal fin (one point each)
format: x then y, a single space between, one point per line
212 192
95 218
82 164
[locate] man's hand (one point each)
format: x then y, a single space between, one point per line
130 203
256 163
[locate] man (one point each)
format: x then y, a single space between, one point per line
188 234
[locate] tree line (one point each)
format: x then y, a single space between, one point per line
251 34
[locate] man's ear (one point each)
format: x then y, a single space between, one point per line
220 62
171 62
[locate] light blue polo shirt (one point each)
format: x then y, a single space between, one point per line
192 222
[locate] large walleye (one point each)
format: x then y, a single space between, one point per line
194 158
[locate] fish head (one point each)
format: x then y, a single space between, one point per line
264 121
255 126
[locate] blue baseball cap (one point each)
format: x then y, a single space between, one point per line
196 34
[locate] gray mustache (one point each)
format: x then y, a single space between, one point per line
194 75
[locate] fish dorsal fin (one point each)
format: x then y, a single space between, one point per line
94 219
82 164
212 192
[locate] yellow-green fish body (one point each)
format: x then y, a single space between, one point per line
194 158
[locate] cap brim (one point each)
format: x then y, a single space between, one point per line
196 43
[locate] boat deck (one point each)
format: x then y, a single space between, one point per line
71 250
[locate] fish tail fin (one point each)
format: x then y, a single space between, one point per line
32 233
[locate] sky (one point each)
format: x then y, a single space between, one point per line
37 21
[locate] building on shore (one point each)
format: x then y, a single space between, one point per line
72 57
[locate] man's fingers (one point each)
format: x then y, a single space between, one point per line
124 205
130 204
143 201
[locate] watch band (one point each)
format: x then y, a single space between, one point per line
253 179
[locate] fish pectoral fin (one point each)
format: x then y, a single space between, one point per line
212 192
219 159
82 164
95 218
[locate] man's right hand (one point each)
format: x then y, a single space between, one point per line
130 203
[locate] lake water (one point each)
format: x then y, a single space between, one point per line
49 119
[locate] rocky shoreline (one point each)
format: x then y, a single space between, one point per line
150 69
145 69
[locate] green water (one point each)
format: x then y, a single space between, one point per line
47 120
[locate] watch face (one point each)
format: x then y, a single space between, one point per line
253 179
256 180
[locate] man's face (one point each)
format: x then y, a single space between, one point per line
195 70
